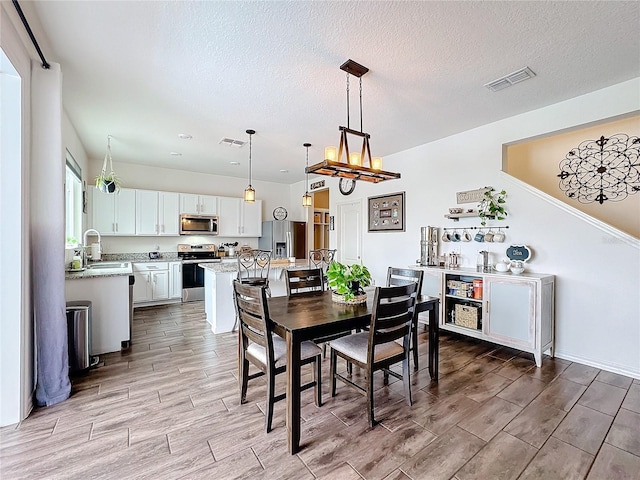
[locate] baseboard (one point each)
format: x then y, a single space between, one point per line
609 368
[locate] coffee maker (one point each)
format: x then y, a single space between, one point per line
428 247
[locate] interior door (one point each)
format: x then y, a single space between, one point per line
350 232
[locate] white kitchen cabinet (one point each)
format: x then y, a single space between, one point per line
157 213
151 282
238 218
512 310
113 213
198 204
175 280
251 219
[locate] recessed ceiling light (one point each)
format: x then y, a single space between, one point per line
175 154
234 163
184 136
284 171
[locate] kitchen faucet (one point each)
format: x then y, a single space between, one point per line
85 246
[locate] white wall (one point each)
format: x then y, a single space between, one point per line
597 274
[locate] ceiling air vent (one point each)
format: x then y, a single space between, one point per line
230 142
516 77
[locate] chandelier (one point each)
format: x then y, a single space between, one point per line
352 167
306 198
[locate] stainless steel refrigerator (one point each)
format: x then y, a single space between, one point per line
284 238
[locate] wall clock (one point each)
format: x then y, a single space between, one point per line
279 213
347 186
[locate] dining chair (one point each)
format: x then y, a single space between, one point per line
304 281
267 351
322 258
377 349
404 276
253 268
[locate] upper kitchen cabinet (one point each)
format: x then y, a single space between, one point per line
237 218
198 204
113 213
157 213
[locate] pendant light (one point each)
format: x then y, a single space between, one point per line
353 166
249 192
306 198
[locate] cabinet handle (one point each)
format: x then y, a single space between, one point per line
116 226
487 307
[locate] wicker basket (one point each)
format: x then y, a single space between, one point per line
357 299
466 316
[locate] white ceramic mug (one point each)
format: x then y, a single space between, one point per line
498 237
446 237
466 236
488 237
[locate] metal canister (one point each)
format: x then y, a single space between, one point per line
477 289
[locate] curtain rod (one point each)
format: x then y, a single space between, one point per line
45 64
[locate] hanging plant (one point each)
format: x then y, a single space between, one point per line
108 182
492 205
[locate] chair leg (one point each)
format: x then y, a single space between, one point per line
372 420
414 343
332 372
271 391
385 377
317 377
244 380
406 380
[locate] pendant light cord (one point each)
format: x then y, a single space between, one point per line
250 135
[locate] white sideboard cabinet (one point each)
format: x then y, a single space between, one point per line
512 310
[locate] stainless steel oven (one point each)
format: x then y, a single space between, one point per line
192 274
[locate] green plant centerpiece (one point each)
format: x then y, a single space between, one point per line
492 205
346 282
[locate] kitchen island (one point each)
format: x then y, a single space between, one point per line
218 290
107 288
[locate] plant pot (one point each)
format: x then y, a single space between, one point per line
356 300
108 187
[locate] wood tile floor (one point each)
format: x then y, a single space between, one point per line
168 409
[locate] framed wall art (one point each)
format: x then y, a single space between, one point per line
386 213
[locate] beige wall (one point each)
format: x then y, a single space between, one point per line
537 162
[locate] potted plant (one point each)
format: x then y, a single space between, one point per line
492 205
347 281
108 183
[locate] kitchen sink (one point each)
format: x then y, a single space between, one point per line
102 265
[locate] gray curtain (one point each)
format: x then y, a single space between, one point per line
46 197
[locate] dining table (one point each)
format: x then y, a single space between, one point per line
315 315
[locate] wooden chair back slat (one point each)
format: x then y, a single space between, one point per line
392 315
303 281
403 276
251 303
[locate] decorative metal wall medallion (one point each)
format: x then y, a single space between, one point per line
604 169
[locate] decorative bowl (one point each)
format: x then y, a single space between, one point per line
517 270
455 210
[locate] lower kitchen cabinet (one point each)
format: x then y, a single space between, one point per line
152 283
175 280
512 310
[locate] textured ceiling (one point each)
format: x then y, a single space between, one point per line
144 72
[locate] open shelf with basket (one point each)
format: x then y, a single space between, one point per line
463 303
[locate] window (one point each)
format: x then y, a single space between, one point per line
73 205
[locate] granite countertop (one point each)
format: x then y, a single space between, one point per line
232 267
116 271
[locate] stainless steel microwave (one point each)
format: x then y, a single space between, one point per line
198 224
